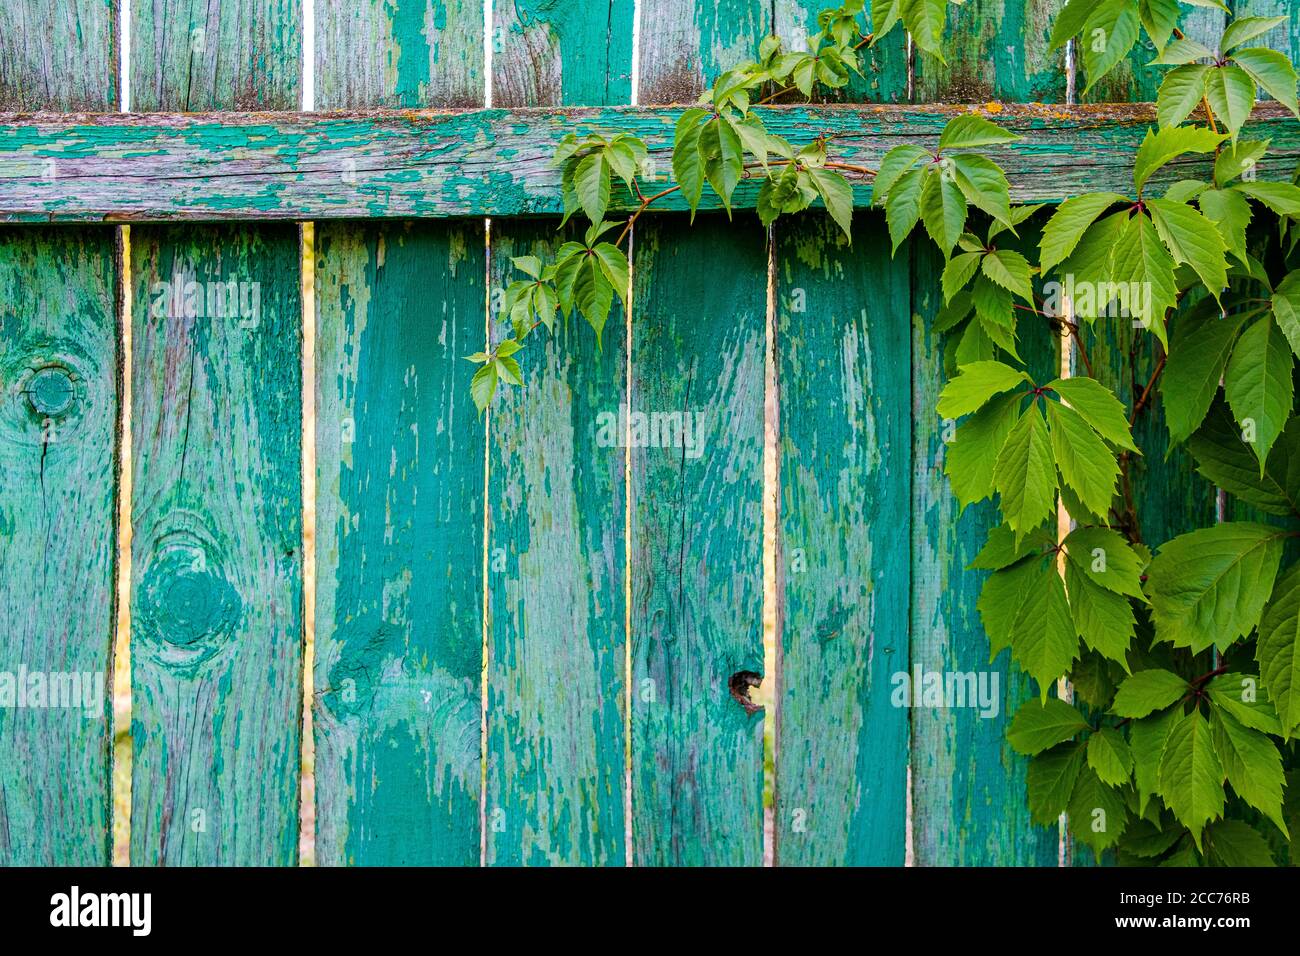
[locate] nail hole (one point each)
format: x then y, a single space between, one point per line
740 684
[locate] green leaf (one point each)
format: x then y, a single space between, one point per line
688 168
971 130
1143 275
1104 619
972 454
1223 458
1183 50
1278 650
1086 464
1242 696
1234 843
984 185
1272 70
1068 224
1011 271
722 154
837 194
1286 309
943 209
1231 93
1231 213
1071 21
1191 777
1117 21
1181 93
593 294
1099 408
1098 814
1197 358
615 266
1192 239
1147 691
1162 146
1147 738
1252 764
1024 475
903 206
975 385
1282 198
1235 159
925 20
897 161
959 271
1107 559
1259 386
1246 29
1024 607
484 385
1159 19
1038 726
1209 586
1109 756
591 180
1050 780
1001 549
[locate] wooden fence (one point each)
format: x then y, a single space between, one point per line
531 645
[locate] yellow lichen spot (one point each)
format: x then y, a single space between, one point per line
993 107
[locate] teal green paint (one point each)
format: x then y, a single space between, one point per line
399 550
557 560
399 53
59 56
844 377
969 804
59 382
244 55
995 50
686 44
698 346
455 164
216 565
551 52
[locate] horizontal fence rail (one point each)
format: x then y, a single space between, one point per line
434 164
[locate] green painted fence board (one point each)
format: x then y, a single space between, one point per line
216 565
556 580
968 787
238 54
58 56
557 733
558 52
398 53
685 44
59 387
400 471
698 346
1134 80
995 50
399 549
216 574
498 162
843 347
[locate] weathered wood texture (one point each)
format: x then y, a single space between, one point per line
685 44
494 162
60 382
556 708
216 589
697 643
1134 80
59 387
399 550
399 489
399 54
995 50
883 65
562 52
58 56
237 54
844 569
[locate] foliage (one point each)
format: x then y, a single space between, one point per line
1183 663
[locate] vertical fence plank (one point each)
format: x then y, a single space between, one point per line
556 587
399 552
995 50
1134 80
698 350
399 543
844 361
59 407
698 347
216 590
394 55
58 488
58 56
243 55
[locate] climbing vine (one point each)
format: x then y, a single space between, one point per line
1169 680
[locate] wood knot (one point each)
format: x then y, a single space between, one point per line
740 683
186 608
51 391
